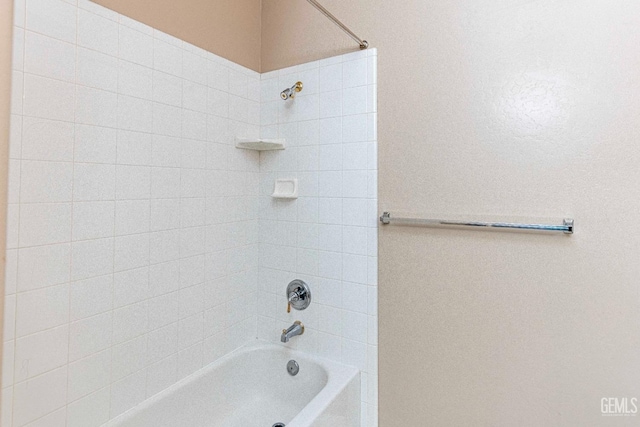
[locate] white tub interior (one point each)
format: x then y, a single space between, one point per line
252 388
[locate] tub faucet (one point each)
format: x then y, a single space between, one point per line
296 329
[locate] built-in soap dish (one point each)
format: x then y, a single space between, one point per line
285 189
260 144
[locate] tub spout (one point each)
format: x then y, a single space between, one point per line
296 329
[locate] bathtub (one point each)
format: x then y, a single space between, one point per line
251 387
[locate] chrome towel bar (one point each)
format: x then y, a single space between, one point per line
566 227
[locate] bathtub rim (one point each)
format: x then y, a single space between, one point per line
339 376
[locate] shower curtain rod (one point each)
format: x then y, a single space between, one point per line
363 43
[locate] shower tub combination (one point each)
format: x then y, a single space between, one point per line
252 387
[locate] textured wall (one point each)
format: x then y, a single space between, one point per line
133 218
328 236
6 44
230 29
506 110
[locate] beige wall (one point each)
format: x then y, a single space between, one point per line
499 109
230 29
6 26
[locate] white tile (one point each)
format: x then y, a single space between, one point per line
166 151
47 140
354 100
190 330
162 374
53 18
355 240
165 183
91 258
48 99
45 182
9 327
330 265
39 396
18 94
217 76
356 155
96 9
195 96
218 103
129 322
93 182
96 107
164 278
53 419
355 212
354 269
129 357
330 104
194 68
330 130
11 272
330 237
93 220
354 128
135 46
132 216
189 360
42 309
167 58
354 73
133 182
135 114
131 252
194 125
191 300
162 343
94 144
330 157
135 80
130 287
49 57
330 78
330 184
41 352
88 375
42 266
192 213
19 13
42 224
127 393
133 24
97 33
15 136
354 354
167 88
330 211
355 184
90 411
167 120
89 336
165 214
163 310
97 70
90 297
193 154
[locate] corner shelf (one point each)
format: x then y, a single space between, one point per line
260 144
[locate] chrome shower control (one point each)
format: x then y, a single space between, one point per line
298 295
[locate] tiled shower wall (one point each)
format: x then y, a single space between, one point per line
328 236
132 218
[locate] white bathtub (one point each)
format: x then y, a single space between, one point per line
252 388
